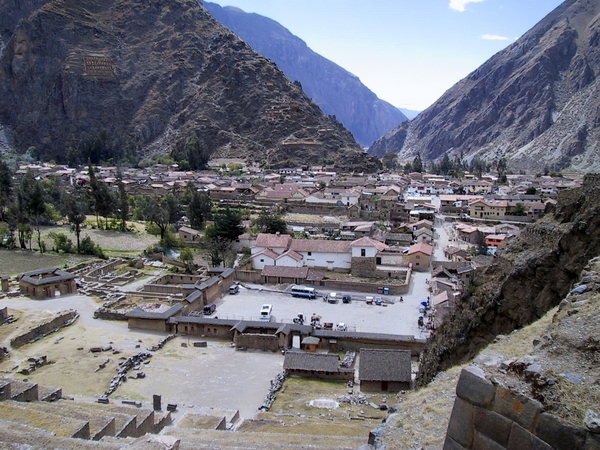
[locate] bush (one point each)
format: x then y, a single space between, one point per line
87 247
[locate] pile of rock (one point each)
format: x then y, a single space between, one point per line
162 343
124 367
276 385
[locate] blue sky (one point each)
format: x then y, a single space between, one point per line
409 52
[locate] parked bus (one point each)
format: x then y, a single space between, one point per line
265 313
303 291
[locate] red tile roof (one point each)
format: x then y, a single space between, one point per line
421 247
273 240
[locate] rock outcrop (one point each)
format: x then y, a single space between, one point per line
334 89
532 275
129 79
536 103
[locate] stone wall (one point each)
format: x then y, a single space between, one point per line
488 415
63 320
264 341
363 267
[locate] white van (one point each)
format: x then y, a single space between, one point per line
265 313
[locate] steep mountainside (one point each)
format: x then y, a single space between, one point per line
334 89
535 103
161 77
528 277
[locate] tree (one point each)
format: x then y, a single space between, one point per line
227 224
199 207
196 153
479 242
34 203
520 209
217 246
74 209
270 223
389 160
6 190
102 200
187 257
123 202
531 190
417 164
155 212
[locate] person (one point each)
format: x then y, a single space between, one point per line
401 299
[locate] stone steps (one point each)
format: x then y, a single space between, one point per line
100 424
15 437
61 426
212 439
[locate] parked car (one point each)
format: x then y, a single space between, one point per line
234 289
346 299
369 300
332 298
341 327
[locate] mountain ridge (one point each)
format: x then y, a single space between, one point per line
534 103
336 90
163 79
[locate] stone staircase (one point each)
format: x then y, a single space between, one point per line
27 422
37 417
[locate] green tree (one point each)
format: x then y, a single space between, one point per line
417 164
74 208
6 190
216 245
34 203
88 247
199 208
196 153
519 209
227 224
123 202
531 190
61 242
270 223
390 161
187 257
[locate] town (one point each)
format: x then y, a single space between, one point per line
349 289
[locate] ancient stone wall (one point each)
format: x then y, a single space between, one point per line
363 267
264 341
44 329
488 415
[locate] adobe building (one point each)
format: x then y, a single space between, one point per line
47 283
384 370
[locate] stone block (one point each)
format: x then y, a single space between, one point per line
460 427
592 441
560 434
482 442
520 438
474 388
451 444
523 410
492 425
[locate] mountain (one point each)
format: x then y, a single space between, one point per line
409 113
536 103
131 79
334 89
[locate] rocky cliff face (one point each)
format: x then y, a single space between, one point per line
334 89
155 75
535 103
533 274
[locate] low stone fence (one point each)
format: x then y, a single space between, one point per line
63 320
264 341
488 415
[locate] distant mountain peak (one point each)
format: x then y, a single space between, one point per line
535 103
337 91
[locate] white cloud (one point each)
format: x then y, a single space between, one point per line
494 37
459 5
